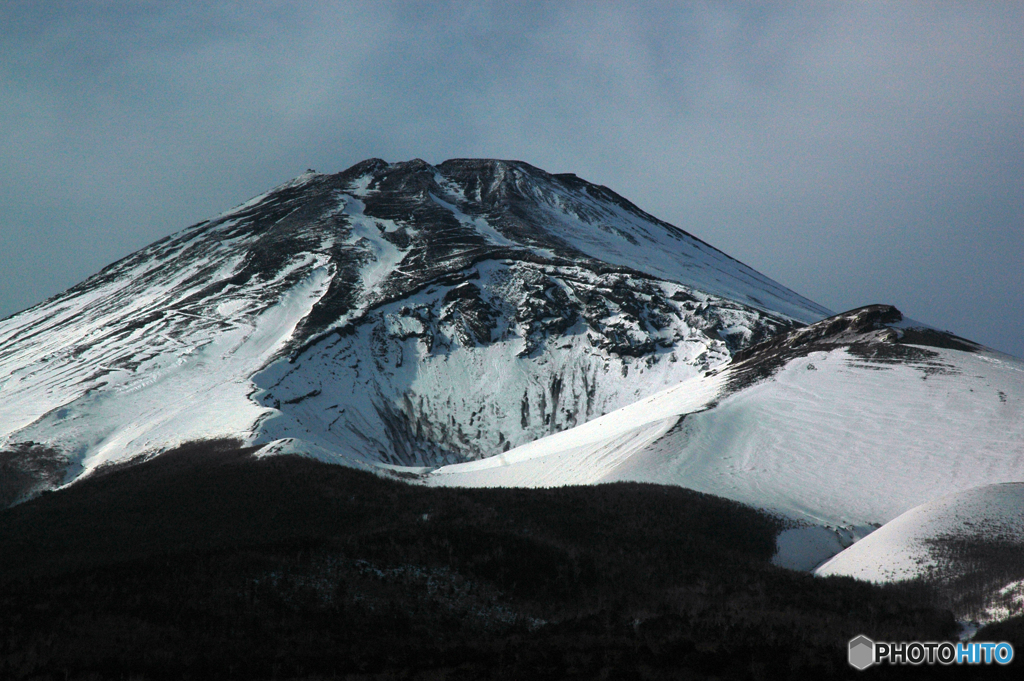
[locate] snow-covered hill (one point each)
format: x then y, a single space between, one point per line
840 426
972 541
909 545
398 313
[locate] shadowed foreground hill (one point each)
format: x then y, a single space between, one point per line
207 563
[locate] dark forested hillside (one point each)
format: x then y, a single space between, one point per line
207 563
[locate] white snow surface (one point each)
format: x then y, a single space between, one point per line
668 254
589 453
189 388
900 549
603 226
804 548
831 441
412 377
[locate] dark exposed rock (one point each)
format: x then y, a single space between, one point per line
473 318
28 468
868 333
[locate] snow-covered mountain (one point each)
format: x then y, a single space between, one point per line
840 426
391 313
485 323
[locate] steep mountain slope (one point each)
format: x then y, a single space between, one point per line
399 313
840 426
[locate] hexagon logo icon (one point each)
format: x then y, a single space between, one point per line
862 652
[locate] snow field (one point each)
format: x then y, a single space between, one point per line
831 442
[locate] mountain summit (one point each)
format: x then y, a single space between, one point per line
392 313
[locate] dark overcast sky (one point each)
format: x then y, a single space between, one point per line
855 152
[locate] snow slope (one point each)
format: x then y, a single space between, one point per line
970 543
511 353
841 435
197 390
903 548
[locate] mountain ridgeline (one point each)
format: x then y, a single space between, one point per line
392 313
